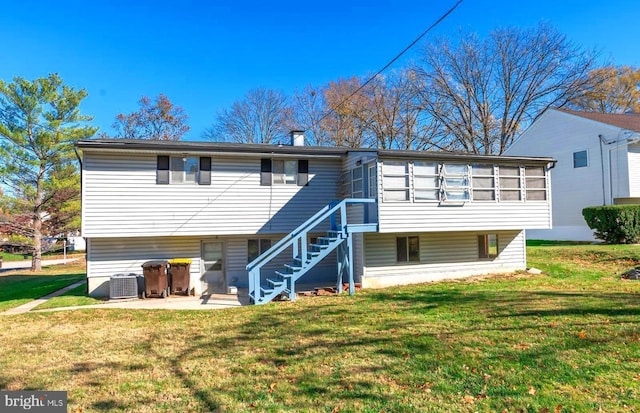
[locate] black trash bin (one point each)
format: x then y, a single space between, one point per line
180 272
156 281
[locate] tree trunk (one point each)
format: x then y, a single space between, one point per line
36 260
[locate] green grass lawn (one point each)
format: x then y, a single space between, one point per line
562 342
19 287
75 297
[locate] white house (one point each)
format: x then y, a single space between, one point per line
269 216
598 163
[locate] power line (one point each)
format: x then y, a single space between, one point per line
444 16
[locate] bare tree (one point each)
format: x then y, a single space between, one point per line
258 118
610 90
482 93
305 112
161 120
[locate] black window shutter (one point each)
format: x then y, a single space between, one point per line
265 172
303 172
162 171
204 177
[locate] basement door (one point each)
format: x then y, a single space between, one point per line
213 278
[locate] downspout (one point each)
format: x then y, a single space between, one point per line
604 196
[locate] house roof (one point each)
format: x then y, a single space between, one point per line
630 121
263 149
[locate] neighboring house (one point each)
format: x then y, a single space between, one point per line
246 213
598 163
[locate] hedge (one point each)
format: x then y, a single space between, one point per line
614 224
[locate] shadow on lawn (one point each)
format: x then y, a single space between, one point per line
20 287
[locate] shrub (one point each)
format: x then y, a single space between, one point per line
614 224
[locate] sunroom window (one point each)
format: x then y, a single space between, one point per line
455 181
536 183
426 181
483 183
395 181
510 189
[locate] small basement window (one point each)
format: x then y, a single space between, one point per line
487 246
408 249
257 247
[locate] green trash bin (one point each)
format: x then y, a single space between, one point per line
156 280
180 272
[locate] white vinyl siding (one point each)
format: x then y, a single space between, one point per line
634 170
109 256
121 198
481 216
442 255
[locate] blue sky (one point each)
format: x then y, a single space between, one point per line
204 55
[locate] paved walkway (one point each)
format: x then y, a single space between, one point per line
25 308
213 302
176 302
26 264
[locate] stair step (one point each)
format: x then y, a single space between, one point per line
293 268
327 239
320 246
284 274
275 283
266 291
334 234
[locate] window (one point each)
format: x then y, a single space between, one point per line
487 246
284 172
395 181
510 183
372 177
455 182
357 189
580 159
256 247
535 183
483 183
183 170
408 249
426 181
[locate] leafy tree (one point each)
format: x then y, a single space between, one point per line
40 121
482 92
347 121
610 90
258 118
160 120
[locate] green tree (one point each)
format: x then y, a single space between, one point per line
160 120
40 122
